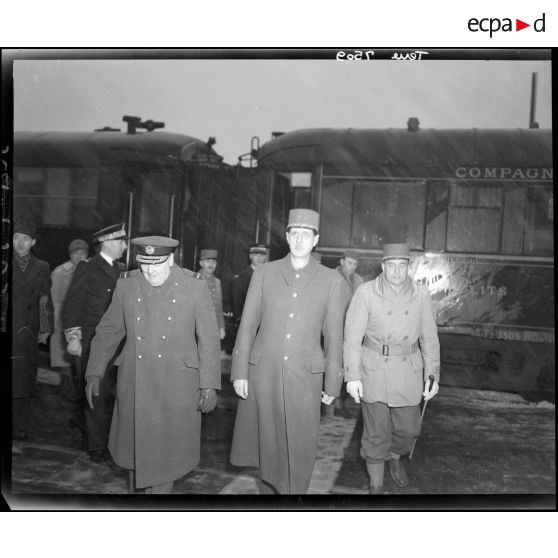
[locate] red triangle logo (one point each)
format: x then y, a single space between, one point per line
519 25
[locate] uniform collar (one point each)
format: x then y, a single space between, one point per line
385 290
306 273
106 257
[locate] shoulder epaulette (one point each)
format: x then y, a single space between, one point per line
189 273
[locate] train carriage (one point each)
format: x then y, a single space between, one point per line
476 207
72 184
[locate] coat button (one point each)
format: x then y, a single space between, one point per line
176 284
174 300
139 356
163 337
108 290
285 357
297 275
138 319
295 295
169 318
159 356
138 338
288 335
139 299
291 315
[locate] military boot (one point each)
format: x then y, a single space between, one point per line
376 472
397 471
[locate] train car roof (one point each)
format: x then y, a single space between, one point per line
71 148
400 152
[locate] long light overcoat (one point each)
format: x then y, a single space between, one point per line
278 351
27 288
394 319
171 351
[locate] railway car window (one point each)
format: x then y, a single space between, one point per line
475 218
155 191
336 212
57 197
388 212
539 222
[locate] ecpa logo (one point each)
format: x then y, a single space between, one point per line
494 24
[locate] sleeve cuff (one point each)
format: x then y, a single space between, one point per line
72 334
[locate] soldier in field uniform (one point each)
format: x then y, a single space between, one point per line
86 301
168 370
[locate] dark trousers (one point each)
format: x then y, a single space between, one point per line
98 419
388 429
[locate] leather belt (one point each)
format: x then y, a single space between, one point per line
390 350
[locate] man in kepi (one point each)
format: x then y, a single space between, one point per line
278 365
86 301
258 254
208 264
389 370
169 367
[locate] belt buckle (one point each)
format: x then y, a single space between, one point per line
385 350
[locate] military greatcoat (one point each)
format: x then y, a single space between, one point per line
27 288
278 351
397 320
156 423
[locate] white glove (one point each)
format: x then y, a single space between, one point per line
429 394
354 389
74 347
327 399
241 388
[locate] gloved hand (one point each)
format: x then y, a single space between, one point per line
74 347
354 389
429 394
42 338
327 399
208 400
221 333
241 388
92 389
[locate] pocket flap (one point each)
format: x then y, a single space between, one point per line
254 357
191 361
317 365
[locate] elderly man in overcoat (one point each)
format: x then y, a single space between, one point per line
32 321
87 299
391 349
279 367
168 370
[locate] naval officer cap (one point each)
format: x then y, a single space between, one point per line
207 254
154 249
259 249
112 232
396 252
306 218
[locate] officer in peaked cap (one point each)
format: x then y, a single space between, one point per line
389 371
258 254
168 369
208 264
279 368
87 299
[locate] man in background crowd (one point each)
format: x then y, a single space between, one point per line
61 279
208 264
32 321
87 299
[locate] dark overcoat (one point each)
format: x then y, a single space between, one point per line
239 289
278 350
171 351
27 288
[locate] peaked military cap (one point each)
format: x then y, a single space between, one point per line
207 254
396 251
154 249
304 218
24 226
259 249
78 244
351 254
111 232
